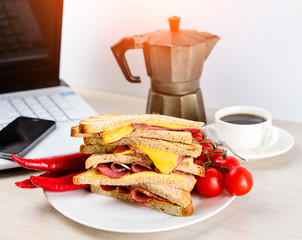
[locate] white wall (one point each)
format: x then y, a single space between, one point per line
258 60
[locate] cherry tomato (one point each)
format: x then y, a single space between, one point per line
201 159
211 184
238 181
207 144
228 162
198 137
218 153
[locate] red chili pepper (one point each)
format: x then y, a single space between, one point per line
60 184
27 183
70 162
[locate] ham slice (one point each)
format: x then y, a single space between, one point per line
179 160
119 167
149 127
107 171
139 167
128 149
124 189
156 170
121 150
137 151
142 197
108 188
178 172
117 170
120 189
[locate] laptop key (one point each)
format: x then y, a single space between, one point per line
59 116
72 114
10 9
22 39
31 115
48 104
18 26
8 32
4 23
9 114
2 15
20 105
45 116
4 103
65 106
6 120
61 102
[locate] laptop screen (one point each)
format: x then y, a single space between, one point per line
30 38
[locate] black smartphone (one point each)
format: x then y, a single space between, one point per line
22 134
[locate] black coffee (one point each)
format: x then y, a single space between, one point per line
244 119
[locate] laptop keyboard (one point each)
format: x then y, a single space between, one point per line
51 107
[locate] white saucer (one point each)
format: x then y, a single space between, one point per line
284 143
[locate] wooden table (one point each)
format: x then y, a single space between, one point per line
272 210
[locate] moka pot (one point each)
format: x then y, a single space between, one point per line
174 60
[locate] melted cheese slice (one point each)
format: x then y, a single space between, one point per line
129 152
115 134
163 160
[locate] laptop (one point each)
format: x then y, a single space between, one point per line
30 39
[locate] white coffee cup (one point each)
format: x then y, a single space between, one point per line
245 137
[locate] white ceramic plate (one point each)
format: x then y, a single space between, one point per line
110 214
284 143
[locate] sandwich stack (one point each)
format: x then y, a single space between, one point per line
146 159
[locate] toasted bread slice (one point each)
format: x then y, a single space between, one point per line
173 136
172 209
181 181
92 149
186 165
75 132
104 122
193 150
176 196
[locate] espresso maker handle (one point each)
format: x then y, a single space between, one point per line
119 50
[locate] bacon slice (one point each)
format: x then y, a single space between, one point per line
139 167
107 171
150 127
142 197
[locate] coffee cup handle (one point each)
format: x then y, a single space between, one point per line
271 136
